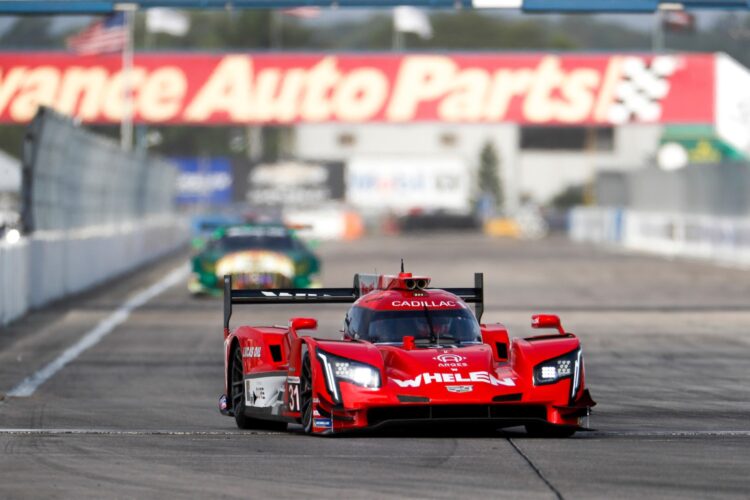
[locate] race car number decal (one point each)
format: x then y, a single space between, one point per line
293 394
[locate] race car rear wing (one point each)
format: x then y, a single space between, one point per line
473 295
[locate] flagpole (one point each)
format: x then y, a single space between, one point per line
126 123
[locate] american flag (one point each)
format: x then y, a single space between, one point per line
304 12
106 35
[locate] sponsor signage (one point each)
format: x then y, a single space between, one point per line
204 181
351 88
423 304
460 388
295 183
407 184
732 102
444 378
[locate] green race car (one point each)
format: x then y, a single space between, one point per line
257 256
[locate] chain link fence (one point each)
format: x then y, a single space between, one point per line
73 178
717 189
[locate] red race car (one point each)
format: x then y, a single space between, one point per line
409 354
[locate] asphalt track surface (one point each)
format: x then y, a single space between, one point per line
667 346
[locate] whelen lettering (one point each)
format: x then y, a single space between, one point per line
442 378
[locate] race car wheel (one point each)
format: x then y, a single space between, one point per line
305 395
237 388
550 431
237 380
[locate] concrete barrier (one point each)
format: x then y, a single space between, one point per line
52 264
718 239
14 296
596 224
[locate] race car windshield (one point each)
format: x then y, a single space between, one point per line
444 326
265 242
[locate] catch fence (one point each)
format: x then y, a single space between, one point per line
73 178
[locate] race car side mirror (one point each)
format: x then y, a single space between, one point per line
409 343
547 321
296 324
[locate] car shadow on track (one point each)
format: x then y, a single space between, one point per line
454 430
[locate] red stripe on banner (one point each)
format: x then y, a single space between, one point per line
534 89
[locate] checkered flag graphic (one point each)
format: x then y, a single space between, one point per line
638 95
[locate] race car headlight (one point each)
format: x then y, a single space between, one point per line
341 369
556 369
356 373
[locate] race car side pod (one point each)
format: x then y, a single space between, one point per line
472 295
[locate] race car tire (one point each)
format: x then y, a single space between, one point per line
549 431
237 394
305 395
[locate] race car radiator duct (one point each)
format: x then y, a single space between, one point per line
227 303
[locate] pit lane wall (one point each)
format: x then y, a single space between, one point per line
50 265
14 280
91 212
719 239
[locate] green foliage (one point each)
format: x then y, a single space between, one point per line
11 139
29 33
570 197
488 177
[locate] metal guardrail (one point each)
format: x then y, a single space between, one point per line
73 178
719 239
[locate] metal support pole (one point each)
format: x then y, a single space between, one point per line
126 123
657 33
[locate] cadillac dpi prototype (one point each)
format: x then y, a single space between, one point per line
409 354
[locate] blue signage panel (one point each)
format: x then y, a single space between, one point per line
715 4
204 181
591 5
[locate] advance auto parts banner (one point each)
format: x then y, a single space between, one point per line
292 88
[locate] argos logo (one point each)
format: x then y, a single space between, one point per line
449 360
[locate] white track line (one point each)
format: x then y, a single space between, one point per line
663 434
27 387
676 434
115 432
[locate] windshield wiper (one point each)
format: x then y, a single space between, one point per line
433 338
